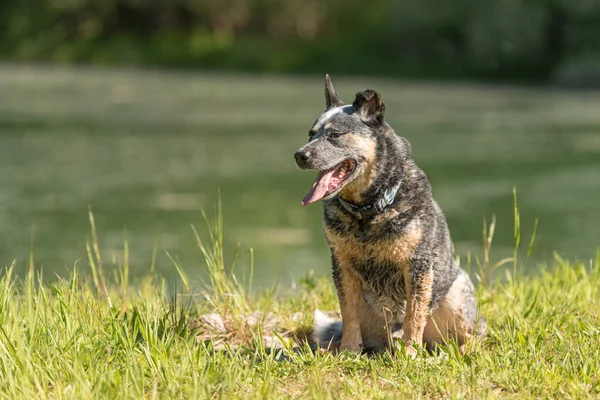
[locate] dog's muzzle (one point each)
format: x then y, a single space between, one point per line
301 158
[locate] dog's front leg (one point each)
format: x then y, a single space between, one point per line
349 288
419 281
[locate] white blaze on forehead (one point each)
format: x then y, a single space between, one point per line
326 116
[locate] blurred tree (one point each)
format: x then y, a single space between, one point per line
497 39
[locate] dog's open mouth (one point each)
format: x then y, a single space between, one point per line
330 181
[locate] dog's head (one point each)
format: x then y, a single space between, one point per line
343 145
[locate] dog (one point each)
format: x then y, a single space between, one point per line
390 245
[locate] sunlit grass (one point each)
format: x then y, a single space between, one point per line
101 336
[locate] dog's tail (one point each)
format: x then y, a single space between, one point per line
327 331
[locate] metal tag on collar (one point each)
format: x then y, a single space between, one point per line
390 194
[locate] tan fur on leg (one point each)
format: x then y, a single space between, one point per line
417 309
446 321
350 305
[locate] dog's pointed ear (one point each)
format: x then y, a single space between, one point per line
370 106
331 97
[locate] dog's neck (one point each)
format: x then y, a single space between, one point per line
393 166
373 208
382 171
380 184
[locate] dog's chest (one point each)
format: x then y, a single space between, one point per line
382 263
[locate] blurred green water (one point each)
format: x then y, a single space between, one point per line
148 150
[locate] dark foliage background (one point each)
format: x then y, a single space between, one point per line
530 40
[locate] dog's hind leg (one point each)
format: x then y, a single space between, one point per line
455 318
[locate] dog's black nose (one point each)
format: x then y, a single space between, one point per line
301 158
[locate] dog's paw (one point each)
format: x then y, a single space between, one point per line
411 352
403 347
355 348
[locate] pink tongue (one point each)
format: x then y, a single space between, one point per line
319 187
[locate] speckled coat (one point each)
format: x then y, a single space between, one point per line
393 269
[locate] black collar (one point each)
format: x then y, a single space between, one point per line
370 210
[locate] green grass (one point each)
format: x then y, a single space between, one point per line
99 336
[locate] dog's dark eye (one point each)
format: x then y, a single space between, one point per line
335 135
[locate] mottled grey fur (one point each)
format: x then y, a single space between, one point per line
383 287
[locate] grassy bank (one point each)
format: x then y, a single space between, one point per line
104 337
